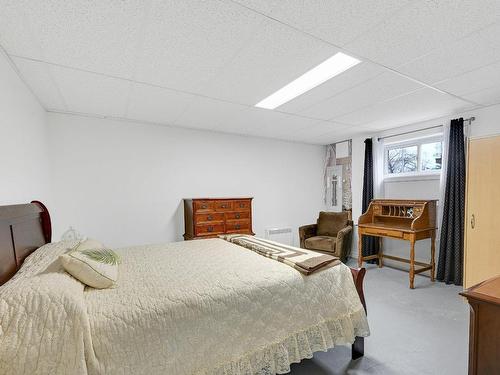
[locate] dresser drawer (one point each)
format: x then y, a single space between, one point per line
208 217
237 225
237 215
200 206
208 229
242 205
223 205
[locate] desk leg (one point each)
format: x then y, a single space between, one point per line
412 261
360 249
380 253
433 254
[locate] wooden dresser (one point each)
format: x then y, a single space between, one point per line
209 217
402 219
484 330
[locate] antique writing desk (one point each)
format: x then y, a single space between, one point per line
409 220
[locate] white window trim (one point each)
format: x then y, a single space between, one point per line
417 175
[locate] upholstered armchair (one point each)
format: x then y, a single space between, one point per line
331 234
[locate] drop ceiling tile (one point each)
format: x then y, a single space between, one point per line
423 27
453 59
274 57
350 78
156 104
383 87
187 42
415 107
473 81
92 93
210 114
38 76
316 130
488 96
335 21
273 124
336 135
100 36
491 34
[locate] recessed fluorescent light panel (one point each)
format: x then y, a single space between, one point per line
328 69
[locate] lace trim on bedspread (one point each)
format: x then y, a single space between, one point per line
276 358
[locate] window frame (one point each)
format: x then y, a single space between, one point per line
429 174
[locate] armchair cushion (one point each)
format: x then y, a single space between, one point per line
323 243
330 223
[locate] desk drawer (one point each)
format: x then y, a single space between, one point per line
383 232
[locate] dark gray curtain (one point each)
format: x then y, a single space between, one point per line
451 249
370 244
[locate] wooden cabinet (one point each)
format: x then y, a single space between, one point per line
210 217
484 330
482 242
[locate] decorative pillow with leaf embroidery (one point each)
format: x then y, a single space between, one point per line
96 267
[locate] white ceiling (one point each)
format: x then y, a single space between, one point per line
205 64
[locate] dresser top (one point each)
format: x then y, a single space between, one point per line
487 291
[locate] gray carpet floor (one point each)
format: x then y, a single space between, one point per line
422 331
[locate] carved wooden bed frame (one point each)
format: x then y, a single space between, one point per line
26 227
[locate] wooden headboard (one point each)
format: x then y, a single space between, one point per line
23 229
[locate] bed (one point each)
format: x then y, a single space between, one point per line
195 307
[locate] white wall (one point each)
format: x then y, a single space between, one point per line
24 165
487 123
123 183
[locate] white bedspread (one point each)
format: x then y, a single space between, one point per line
209 307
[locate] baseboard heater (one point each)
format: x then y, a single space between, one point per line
281 235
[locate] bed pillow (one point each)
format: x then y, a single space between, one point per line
89 244
96 267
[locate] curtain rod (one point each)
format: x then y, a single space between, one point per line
469 120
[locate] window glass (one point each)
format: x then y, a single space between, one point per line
431 156
402 159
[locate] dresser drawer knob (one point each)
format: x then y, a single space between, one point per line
209 217
237 216
242 205
203 206
210 229
238 226
223 206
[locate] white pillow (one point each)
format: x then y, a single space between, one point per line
95 267
89 244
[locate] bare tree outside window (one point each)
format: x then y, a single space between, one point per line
402 159
414 158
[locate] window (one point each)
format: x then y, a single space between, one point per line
416 157
431 156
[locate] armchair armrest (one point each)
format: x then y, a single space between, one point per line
343 242
305 232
